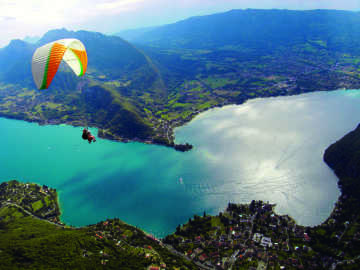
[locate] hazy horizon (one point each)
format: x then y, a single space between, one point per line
24 18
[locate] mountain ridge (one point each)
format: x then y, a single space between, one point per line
134 73
150 89
255 25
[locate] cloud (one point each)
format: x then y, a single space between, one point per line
118 5
36 17
65 11
7 18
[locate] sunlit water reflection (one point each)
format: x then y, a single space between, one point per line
269 149
272 149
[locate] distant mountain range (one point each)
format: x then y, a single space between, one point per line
33 39
132 34
258 29
168 74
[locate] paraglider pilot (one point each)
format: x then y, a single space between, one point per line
87 136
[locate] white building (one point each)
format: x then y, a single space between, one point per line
266 242
257 237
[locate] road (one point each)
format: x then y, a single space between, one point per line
31 214
174 251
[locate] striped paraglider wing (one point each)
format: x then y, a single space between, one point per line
46 60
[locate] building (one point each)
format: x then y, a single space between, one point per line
266 242
257 237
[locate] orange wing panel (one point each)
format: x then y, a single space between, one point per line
56 55
83 59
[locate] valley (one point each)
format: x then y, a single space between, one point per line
142 90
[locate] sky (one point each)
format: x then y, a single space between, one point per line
20 18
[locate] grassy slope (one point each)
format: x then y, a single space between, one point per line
33 244
27 242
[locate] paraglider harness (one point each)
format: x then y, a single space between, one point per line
87 135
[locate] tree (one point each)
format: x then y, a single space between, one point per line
252 206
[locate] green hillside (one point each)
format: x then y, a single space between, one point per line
108 97
174 72
30 239
231 57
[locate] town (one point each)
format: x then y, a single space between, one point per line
246 237
254 237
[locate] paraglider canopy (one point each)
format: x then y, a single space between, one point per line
46 60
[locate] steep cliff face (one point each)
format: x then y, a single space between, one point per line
339 234
344 158
344 155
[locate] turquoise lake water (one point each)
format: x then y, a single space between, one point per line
269 149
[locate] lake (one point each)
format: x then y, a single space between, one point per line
269 149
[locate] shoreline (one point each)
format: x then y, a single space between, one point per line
58 202
167 136
241 226
76 124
